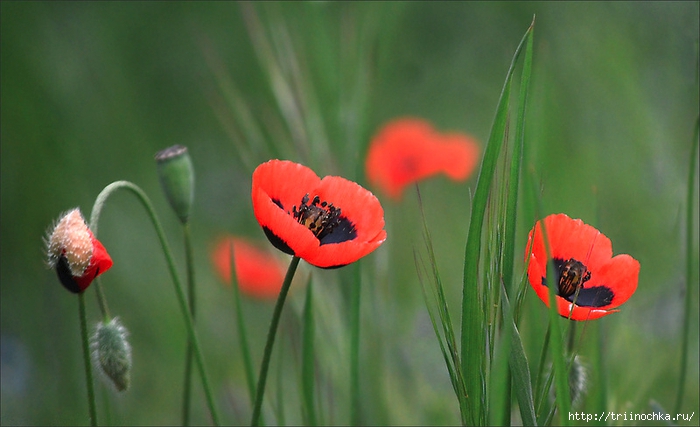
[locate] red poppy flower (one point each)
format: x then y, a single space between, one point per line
328 222
408 150
75 253
590 282
258 273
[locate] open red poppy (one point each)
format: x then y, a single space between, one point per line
75 252
259 274
328 222
408 150
590 282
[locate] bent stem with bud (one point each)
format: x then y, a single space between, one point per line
143 198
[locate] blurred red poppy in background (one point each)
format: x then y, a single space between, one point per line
408 150
259 274
590 282
75 252
328 222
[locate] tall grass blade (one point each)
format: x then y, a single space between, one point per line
307 367
688 268
242 335
520 370
473 317
446 337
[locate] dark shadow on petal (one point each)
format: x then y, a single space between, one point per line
596 296
277 242
344 231
65 276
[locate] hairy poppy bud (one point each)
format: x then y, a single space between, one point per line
176 175
112 353
75 253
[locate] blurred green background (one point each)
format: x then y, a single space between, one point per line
91 91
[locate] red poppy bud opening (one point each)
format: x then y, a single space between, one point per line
75 253
590 282
328 222
259 274
408 150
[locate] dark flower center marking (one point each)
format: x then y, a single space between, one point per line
319 217
572 275
324 220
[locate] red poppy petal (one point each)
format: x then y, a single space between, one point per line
571 238
286 183
460 155
100 261
401 154
362 209
258 273
620 275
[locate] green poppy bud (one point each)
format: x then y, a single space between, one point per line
112 353
177 178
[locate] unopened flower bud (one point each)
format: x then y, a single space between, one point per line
75 253
176 175
112 353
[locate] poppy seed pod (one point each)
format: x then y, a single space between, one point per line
176 175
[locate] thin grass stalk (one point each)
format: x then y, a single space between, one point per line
189 262
473 320
561 376
522 383
307 357
690 260
89 384
267 353
355 294
242 335
446 339
192 334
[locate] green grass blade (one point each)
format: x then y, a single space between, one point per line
242 335
520 370
515 167
307 367
473 318
689 267
446 339
355 296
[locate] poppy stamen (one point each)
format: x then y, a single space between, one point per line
572 275
318 216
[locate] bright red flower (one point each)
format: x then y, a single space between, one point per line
75 253
328 222
407 150
258 273
591 283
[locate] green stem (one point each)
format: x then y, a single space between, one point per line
243 338
688 269
260 391
189 324
87 360
187 391
355 293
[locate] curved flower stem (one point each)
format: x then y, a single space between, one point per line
187 389
86 358
260 391
192 334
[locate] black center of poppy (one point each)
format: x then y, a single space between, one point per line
324 220
572 275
